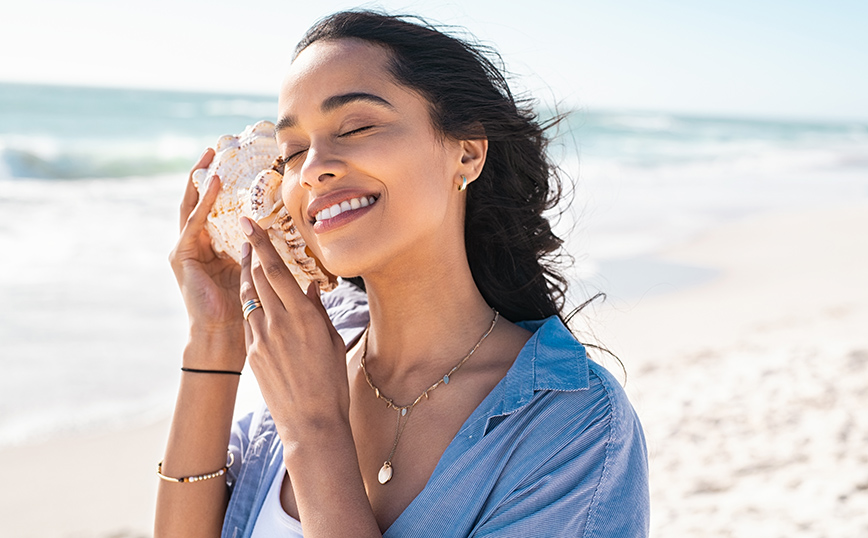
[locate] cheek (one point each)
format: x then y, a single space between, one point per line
289 193
293 198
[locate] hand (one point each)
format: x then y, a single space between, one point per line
209 284
298 357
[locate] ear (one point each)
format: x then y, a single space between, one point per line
473 153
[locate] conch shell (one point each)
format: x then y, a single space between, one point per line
250 187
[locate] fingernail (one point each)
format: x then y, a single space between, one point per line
245 251
203 154
209 182
246 226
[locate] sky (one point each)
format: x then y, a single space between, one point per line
763 58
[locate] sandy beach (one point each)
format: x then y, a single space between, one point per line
101 485
751 387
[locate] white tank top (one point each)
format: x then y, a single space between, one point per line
273 520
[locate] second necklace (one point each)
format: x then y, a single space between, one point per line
404 411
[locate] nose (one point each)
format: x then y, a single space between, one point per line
321 164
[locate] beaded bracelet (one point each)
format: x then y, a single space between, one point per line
184 479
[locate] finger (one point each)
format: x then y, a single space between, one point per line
272 266
196 221
315 297
271 301
248 292
191 193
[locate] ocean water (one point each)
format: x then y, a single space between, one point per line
90 181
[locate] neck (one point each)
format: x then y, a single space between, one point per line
422 322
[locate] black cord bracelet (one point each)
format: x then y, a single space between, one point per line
198 371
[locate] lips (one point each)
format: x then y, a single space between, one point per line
336 209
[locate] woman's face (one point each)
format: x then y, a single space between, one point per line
358 141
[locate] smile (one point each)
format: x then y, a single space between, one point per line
347 205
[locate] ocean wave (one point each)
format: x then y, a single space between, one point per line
47 157
19 164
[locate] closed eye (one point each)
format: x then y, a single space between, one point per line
280 163
356 131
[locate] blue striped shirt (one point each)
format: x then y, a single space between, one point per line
554 450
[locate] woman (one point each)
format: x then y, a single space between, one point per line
466 408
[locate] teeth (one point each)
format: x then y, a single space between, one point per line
347 205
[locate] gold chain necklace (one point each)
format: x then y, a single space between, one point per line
404 411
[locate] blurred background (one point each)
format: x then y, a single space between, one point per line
684 118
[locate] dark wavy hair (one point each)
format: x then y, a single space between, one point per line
512 251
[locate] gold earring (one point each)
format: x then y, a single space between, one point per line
463 185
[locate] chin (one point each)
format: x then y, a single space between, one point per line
344 262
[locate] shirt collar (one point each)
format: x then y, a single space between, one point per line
552 359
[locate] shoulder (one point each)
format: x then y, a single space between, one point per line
601 432
621 504
577 463
553 370
603 386
602 458
596 418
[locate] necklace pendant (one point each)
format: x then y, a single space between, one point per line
385 473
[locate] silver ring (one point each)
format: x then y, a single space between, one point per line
250 306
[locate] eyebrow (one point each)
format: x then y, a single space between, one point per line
334 102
